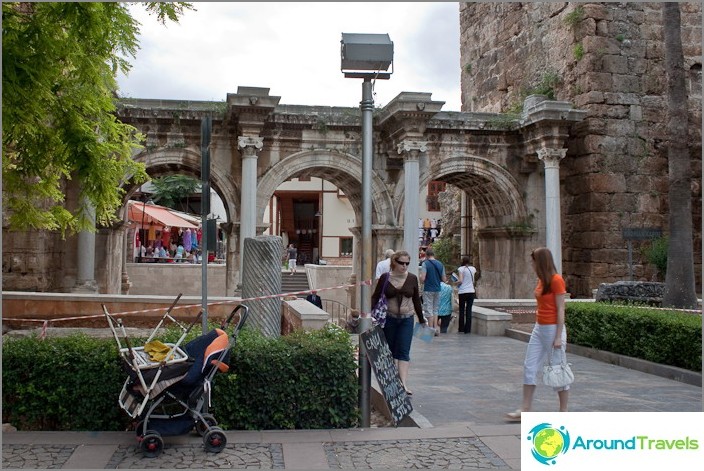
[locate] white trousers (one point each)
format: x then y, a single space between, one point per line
539 347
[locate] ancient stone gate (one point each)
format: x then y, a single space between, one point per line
257 144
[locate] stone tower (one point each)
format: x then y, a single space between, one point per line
607 59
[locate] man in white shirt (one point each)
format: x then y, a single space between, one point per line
384 266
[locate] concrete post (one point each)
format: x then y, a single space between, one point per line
553 225
411 180
261 276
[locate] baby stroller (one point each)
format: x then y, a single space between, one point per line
168 387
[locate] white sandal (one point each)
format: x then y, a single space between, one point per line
514 416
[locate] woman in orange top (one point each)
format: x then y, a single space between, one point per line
549 330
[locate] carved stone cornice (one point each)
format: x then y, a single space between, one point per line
408 114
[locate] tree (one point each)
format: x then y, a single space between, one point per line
60 60
171 189
680 291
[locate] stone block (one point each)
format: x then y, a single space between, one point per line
488 322
647 292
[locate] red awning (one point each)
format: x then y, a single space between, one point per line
159 214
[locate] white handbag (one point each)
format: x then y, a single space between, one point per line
557 376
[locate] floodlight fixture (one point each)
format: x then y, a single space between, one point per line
366 55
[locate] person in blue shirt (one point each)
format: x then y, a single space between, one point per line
431 275
445 309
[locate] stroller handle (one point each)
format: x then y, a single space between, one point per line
242 320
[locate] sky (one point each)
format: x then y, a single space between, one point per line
293 49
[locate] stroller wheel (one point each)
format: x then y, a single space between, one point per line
203 425
215 440
151 445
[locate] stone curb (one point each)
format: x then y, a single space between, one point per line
665 371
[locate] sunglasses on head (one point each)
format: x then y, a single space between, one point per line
403 263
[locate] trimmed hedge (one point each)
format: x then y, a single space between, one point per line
303 380
69 383
661 336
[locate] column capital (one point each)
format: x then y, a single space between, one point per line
408 146
244 142
551 156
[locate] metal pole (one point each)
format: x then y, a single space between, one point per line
205 127
365 322
143 235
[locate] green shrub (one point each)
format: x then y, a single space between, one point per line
656 254
303 380
69 383
666 337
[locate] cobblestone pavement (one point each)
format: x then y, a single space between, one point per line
238 456
439 453
35 457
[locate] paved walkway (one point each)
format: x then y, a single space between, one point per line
462 384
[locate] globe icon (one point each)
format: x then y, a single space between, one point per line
548 443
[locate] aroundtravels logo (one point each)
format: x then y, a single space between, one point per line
548 442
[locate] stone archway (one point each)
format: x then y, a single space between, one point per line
341 169
502 220
165 161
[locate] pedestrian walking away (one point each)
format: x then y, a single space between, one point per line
445 309
431 275
403 297
292 253
466 291
549 335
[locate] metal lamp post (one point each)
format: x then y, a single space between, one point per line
366 56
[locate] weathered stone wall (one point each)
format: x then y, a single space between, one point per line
609 61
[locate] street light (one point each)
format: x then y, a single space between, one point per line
366 56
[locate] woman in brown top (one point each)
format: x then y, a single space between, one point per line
403 301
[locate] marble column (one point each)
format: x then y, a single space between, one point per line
248 201
411 204
553 225
85 279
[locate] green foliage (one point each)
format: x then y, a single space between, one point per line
505 121
171 189
67 383
656 254
578 51
468 68
665 337
448 252
305 380
620 37
58 92
573 18
548 81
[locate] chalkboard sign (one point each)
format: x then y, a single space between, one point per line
386 373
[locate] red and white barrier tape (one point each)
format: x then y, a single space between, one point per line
45 322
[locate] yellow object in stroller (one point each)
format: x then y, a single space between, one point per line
170 396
